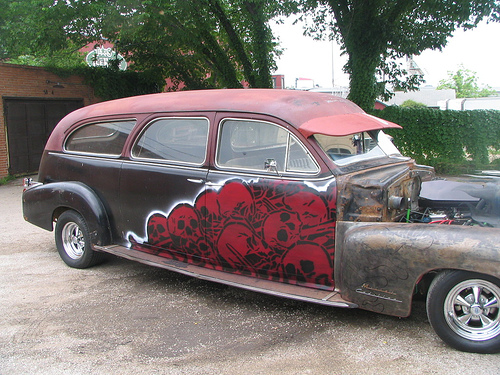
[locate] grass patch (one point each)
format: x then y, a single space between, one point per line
6 180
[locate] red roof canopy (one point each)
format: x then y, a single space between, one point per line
344 124
309 112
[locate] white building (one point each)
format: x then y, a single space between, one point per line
427 95
464 104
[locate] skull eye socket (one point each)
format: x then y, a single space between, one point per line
193 223
282 235
307 266
285 216
181 224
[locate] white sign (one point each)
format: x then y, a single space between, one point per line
101 56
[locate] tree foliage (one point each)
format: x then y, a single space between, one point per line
412 104
375 33
464 82
201 43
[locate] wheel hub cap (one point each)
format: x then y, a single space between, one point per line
473 309
476 311
73 241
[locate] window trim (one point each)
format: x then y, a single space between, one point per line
98 154
166 161
307 152
285 172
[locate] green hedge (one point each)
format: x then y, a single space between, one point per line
435 137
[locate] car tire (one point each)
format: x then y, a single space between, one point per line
73 241
464 310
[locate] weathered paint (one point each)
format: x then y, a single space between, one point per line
309 112
378 264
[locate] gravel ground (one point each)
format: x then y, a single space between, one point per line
126 318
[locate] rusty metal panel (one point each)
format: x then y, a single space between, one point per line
378 264
367 195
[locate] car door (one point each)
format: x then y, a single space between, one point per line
270 204
160 185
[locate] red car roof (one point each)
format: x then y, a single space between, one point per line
310 112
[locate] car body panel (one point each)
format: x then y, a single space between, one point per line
275 229
378 264
41 201
344 124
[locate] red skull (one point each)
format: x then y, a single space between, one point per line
310 207
184 227
206 204
240 249
268 198
235 199
157 229
282 230
308 263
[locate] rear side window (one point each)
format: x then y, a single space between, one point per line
181 140
103 138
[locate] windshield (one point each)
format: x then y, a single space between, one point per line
355 147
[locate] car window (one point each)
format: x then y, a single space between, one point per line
174 139
298 159
253 145
355 147
104 138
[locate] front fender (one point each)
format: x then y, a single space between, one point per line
41 201
377 265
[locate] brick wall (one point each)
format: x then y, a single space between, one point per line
19 81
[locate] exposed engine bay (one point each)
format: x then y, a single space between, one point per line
472 200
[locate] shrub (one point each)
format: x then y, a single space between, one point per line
444 138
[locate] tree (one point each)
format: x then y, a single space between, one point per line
374 33
412 104
464 82
201 43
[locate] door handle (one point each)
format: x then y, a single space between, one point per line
196 180
214 184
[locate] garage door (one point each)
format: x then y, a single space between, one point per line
29 124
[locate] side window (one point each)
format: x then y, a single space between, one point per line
299 160
250 145
104 138
174 139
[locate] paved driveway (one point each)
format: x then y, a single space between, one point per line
127 318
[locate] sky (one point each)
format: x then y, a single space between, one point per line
477 50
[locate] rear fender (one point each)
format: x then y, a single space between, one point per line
377 265
41 202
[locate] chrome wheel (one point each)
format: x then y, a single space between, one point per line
471 309
73 240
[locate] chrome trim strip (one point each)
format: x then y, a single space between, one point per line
334 293
241 173
85 156
234 174
209 275
165 165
